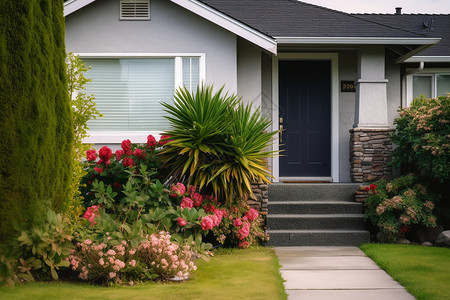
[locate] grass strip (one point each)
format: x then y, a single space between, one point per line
231 274
423 271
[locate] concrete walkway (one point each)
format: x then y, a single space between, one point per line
335 273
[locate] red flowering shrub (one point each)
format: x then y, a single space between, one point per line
181 221
151 141
91 155
164 140
90 214
236 225
112 169
105 154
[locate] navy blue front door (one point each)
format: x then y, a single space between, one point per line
305 114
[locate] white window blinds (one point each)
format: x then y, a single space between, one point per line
128 91
191 73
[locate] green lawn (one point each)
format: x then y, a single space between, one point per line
231 274
423 271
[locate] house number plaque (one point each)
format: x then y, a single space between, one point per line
348 86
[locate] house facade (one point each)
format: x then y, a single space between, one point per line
331 81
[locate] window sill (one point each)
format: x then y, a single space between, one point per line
116 137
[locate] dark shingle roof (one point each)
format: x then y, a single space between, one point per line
291 18
424 24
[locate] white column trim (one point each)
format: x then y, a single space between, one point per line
334 58
275 119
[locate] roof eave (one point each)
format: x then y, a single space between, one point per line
418 58
265 42
357 40
74 5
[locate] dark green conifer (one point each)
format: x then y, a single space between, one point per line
35 114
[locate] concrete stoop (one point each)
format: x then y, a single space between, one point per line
315 215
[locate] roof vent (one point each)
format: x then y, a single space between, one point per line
135 10
398 10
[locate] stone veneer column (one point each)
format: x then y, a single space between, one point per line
370 142
370 153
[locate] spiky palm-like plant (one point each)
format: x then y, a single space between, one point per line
217 142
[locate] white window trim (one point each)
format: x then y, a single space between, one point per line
333 57
116 137
425 72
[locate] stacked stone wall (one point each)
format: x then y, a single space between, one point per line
370 154
260 199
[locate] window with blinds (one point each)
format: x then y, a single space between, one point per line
128 91
431 85
191 73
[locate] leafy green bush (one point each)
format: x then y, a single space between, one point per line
217 143
83 110
422 137
394 206
37 253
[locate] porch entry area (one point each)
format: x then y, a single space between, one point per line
305 118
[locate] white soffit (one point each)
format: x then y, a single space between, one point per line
229 24
74 5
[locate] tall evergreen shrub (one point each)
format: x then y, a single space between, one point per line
35 115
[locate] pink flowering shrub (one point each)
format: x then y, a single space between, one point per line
102 262
155 257
90 214
422 137
166 258
394 206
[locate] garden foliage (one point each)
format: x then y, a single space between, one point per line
35 116
422 137
394 206
217 143
83 110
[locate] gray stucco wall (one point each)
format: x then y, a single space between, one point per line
249 73
348 71
96 28
394 98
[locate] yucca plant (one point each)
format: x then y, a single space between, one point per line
217 143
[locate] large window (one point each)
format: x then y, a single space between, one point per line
431 85
128 91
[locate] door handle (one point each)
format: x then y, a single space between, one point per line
281 133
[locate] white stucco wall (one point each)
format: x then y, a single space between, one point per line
96 28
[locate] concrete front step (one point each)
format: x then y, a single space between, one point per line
314 207
318 237
312 192
315 221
